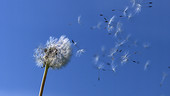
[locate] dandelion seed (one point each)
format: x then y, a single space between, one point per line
97 26
74 43
137 62
138 8
108 63
96 59
100 66
150 2
120 16
111 28
135 43
101 14
98 78
133 3
129 15
105 19
118 28
56 53
150 6
111 20
79 17
125 11
115 35
109 23
121 43
113 68
79 52
102 48
135 52
128 36
146 45
125 58
164 75
146 65
113 9
113 51
112 58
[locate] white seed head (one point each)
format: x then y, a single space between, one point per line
56 53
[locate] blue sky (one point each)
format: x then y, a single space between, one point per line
25 24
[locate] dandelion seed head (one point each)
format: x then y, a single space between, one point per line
56 53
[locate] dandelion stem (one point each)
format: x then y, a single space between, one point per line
43 80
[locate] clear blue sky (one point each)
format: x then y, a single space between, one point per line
25 24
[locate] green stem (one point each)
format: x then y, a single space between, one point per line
43 80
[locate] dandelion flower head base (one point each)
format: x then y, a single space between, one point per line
56 53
